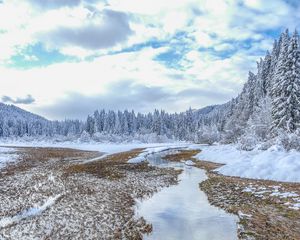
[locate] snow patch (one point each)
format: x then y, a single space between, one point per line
189 163
284 194
4 222
158 149
7 156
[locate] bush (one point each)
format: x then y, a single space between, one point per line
248 142
289 140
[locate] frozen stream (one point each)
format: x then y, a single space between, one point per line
183 211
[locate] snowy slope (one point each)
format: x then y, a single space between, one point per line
16 113
272 164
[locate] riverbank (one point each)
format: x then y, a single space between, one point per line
58 193
266 209
182 211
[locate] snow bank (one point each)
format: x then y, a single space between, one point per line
29 212
272 164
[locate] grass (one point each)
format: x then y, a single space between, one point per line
111 167
184 155
269 216
33 157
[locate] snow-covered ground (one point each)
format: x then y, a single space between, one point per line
272 164
33 211
45 199
107 148
7 156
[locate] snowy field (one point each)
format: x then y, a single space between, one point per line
272 164
107 148
7 155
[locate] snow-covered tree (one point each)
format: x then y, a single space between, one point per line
286 88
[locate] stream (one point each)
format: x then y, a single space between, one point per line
182 211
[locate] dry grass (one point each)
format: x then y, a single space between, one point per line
46 153
270 217
184 155
111 167
33 157
97 196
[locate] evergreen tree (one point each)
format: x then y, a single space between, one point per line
285 92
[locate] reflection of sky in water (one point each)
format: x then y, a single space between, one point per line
183 212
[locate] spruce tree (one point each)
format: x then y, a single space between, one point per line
285 91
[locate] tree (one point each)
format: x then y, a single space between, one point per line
90 125
286 89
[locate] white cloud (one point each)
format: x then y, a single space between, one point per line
213 26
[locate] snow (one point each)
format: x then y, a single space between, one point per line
272 191
107 148
272 164
38 209
284 194
189 163
157 149
244 215
7 156
295 206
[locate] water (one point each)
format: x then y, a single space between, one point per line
183 211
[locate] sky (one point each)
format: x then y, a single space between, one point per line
66 58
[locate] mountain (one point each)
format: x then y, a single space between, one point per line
11 112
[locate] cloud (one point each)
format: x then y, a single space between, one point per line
50 4
25 100
210 95
131 96
120 96
176 53
112 29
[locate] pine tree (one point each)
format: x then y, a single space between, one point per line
285 92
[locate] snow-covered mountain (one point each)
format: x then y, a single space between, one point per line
11 112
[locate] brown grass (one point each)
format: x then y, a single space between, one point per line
111 167
184 155
32 157
270 218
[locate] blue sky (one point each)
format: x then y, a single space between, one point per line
66 58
